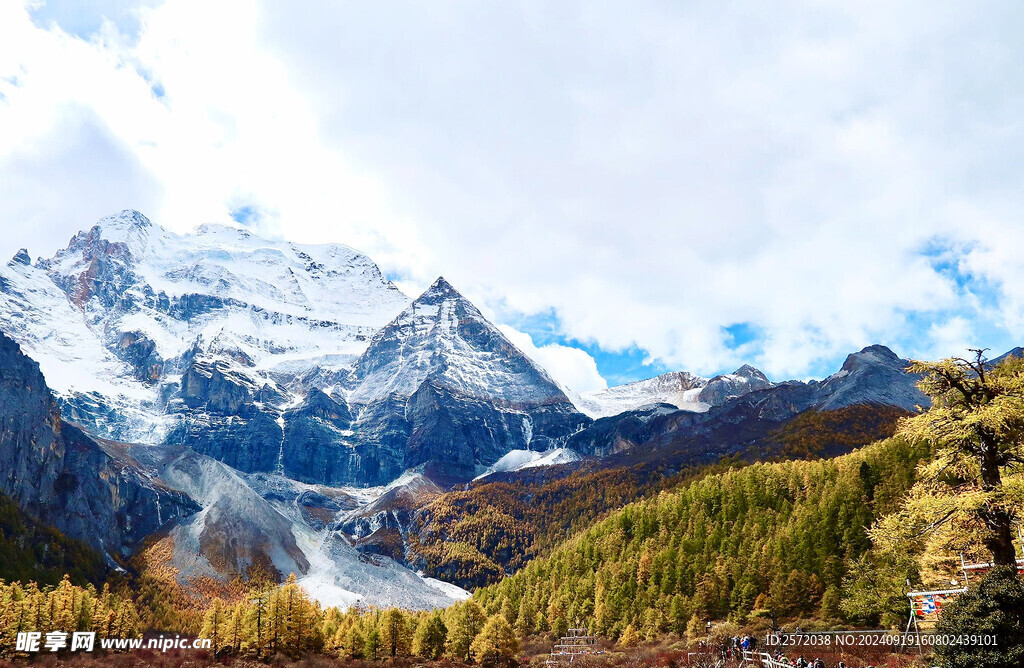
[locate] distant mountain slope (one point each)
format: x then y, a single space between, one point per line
875 375
872 376
1015 352
677 388
477 535
680 389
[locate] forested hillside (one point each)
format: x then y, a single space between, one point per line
475 537
31 550
763 539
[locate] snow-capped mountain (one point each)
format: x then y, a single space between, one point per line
128 311
684 390
444 338
518 460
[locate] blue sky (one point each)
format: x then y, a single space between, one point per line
635 188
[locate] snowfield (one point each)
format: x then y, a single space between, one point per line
518 460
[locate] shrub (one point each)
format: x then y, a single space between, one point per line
992 606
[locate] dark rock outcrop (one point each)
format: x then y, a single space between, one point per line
319 445
91 491
140 353
21 257
248 444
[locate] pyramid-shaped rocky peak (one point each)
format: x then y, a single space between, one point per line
443 337
441 289
441 386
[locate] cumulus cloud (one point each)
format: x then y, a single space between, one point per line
652 174
570 367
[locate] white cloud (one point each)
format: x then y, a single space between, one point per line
951 338
571 367
650 174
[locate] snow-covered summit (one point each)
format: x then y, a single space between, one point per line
743 380
442 387
129 305
518 460
682 389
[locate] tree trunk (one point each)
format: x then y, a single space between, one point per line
999 540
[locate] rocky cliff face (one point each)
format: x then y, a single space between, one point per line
32 454
63 477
